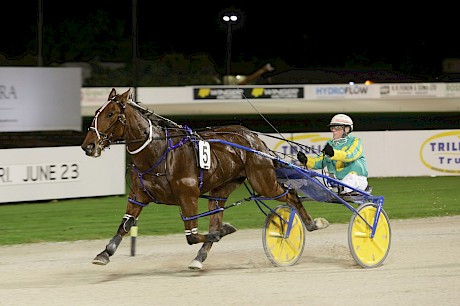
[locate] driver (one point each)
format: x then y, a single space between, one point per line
343 156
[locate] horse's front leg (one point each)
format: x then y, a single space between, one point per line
129 219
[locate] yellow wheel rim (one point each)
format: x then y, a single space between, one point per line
369 252
283 250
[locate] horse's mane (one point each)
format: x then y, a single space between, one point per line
168 123
154 117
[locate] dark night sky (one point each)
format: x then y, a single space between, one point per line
304 34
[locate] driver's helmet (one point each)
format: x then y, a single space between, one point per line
342 119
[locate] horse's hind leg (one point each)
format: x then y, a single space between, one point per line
216 225
293 199
129 219
197 263
265 183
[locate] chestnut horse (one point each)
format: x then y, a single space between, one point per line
173 165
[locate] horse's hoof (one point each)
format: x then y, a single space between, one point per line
101 259
96 261
213 237
195 265
321 223
227 229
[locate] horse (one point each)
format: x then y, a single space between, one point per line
166 168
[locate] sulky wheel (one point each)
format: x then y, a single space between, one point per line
369 252
280 248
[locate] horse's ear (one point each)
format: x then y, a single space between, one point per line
125 96
112 94
131 94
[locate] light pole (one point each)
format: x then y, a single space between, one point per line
230 19
40 33
134 45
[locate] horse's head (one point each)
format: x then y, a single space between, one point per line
108 124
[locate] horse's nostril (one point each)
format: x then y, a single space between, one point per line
88 148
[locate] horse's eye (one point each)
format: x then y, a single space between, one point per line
110 114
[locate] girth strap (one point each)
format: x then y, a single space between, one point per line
136 202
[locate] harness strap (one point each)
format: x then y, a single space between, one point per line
213 198
274 198
171 147
136 202
95 129
190 137
207 213
146 143
201 178
141 179
141 174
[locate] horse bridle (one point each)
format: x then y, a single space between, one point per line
105 137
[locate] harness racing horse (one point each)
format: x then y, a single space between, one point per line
165 169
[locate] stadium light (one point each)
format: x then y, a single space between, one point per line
231 19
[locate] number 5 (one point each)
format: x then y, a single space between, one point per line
204 154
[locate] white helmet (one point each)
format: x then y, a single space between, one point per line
342 119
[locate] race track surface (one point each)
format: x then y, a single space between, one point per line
422 268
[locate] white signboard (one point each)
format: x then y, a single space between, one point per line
300 99
97 96
33 174
40 99
412 90
341 91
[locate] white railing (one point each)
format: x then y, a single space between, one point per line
282 99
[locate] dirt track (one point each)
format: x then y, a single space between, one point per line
423 268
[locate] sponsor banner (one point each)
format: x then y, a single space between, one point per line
40 99
441 152
451 89
33 174
355 91
388 153
412 90
200 93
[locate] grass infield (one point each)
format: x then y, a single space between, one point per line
98 218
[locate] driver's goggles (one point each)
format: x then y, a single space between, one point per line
336 127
